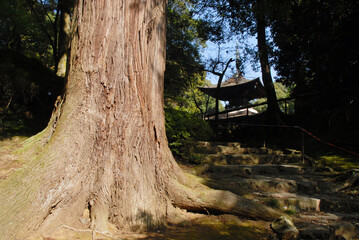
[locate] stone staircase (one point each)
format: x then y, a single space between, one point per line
280 179
233 153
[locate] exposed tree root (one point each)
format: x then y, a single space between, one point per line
89 230
194 196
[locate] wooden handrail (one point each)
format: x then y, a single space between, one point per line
249 106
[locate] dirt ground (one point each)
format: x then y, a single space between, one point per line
8 160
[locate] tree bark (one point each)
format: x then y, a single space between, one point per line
107 148
273 108
103 162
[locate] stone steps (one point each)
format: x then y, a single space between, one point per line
283 191
280 179
216 147
233 148
267 184
295 202
259 169
251 158
234 153
335 228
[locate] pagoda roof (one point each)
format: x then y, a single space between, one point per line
236 89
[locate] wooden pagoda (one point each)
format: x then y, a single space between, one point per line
237 90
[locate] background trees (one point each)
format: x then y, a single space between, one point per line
32 28
317 46
184 40
317 54
33 40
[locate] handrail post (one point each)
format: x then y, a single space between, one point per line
264 137
302 144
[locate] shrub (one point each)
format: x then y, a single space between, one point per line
182 128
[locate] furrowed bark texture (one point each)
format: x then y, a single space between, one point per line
118 70
103 162
109 151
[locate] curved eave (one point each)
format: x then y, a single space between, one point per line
249 90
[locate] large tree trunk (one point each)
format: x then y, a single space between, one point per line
107 150
104 151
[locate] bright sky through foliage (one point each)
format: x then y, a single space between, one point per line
227 51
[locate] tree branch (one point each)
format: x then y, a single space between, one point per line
219 86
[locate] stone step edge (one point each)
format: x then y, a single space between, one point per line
293 201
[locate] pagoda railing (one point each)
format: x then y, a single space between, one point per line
247 107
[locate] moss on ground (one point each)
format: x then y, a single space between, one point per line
341 162
224 227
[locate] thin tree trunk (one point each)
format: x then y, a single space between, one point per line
220 79
64 6
273 108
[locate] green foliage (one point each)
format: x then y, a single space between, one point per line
182 128
346 162
183 43
317 47
28 27
194 101
281 92
186 35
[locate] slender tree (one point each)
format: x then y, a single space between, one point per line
103 162
273 108
220 79
65 8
